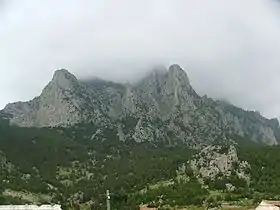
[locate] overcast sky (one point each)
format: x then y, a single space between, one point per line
229 48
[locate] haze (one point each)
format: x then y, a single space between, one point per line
229 48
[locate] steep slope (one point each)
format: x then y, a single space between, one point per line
64 101
250 124
162 107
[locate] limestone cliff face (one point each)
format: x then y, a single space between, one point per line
58 104
249 124
219 162
213 160
163 107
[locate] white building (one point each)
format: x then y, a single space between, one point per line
30 207
269 205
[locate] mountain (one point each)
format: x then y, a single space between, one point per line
155 142
75 165
161 107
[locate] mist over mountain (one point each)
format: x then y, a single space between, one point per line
159 105
230 49
167 104
154 138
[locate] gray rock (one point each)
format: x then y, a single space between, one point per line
163 106
215 160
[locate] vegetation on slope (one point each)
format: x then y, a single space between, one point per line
75 166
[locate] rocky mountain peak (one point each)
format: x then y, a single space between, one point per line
162 98
57 104
176 72
175 68
63 73
63 79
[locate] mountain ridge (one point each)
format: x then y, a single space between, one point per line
153 142
160 105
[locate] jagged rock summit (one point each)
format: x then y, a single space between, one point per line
162 107
63 79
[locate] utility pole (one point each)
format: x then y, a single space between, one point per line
108 200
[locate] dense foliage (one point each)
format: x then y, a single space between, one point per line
71 162
265 168
77 165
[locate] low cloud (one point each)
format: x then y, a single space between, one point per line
230 49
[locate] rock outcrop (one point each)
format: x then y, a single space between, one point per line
215 160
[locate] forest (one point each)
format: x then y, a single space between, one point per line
75 170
